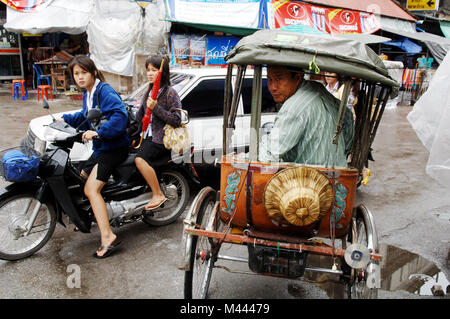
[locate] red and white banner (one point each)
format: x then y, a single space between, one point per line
26 5
330 20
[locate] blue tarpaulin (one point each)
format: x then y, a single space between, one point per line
405 45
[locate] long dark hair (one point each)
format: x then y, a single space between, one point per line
86 64
156 61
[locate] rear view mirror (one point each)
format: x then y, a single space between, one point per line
94 114
45 104
47 107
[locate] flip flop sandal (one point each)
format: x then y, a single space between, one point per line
156 206
109 249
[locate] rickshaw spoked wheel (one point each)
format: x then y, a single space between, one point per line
356 284
203 256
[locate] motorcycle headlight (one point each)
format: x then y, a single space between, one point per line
40 145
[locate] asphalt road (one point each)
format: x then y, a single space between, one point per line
411 212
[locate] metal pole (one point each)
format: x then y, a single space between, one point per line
255 121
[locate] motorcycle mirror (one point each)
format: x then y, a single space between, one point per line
46 107
45 104
94 114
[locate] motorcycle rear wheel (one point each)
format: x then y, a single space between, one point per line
177 192
14 214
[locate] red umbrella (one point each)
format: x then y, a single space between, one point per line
147 117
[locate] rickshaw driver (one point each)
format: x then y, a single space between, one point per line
304 127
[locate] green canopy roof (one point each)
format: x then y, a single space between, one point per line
339 55
445 27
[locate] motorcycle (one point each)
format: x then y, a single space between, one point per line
29 211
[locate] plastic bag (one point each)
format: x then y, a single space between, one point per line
430 117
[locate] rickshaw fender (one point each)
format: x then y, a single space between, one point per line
189 223
373 269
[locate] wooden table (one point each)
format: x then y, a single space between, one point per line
57 73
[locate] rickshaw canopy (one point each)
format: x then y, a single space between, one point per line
348 58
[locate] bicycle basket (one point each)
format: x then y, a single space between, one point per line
19 164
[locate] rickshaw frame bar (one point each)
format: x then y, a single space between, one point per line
241 239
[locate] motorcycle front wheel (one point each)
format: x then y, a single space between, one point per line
176 188
15 212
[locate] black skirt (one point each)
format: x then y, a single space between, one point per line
156 155
107 162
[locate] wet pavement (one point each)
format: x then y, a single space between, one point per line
411 212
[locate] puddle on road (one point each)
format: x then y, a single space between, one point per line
400 270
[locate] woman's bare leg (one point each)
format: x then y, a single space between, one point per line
92 191
150 177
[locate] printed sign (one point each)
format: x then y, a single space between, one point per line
26 5
200 50
217 48
237 13
330 20
422 5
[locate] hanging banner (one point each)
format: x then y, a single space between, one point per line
26 5
235 13
330 20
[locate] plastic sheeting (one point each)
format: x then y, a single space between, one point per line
430 117
438 50
71 17
118 30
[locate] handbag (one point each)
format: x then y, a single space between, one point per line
178 139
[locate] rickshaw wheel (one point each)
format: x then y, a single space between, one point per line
197 279
357 284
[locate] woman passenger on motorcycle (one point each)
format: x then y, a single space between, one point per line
152 154
109 138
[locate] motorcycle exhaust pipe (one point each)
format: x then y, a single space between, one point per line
127 207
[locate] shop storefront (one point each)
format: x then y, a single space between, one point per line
11 62
119 36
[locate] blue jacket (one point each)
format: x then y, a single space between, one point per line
113 133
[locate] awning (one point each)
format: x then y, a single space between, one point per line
59 16
421 36
361 37
383 7
445 27
238 31
365 38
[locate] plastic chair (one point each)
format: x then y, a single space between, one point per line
44 91
40 76
19 84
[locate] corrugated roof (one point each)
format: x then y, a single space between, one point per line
384 7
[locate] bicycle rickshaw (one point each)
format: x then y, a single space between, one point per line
238 213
